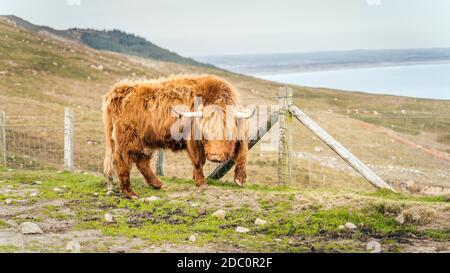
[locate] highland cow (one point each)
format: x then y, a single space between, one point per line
141 117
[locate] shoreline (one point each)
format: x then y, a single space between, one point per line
340 67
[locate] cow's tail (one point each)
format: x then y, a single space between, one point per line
108 165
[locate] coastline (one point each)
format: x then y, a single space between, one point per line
337 67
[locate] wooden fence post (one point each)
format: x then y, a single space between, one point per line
160 163
68 139
3 135
345 154
285 135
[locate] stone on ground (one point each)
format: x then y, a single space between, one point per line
374 246
151 199
56 189
30 228
73 246
108 218
219 214
242 230
260 222
400 219
350 226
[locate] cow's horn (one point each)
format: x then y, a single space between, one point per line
245 114
188 114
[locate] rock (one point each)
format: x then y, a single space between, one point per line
373 247
108 218
30 228
56 189
95 193
73 246
260 222
151 199
37 182
194 205
400 219
97 67
242 230
341 227
219 214
192 238
109 192
34 193
318 149
202 211
8 201
350 226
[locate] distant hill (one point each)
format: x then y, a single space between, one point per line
112 40
311 61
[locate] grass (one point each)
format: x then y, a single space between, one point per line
173 218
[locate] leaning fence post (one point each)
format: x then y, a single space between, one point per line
345 154
68 139
160 163
285 136
3 134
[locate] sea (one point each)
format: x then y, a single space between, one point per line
430 81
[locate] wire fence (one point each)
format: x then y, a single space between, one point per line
406 152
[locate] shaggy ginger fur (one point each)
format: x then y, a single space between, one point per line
138 118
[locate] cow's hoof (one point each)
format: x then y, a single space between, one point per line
158 186
202 187
131 195
239 183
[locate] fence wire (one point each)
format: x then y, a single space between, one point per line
410 152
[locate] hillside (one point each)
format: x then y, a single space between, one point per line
404 140
112 40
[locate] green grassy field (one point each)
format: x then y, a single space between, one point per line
297 220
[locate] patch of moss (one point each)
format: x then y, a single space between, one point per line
8 248
440 235
389 195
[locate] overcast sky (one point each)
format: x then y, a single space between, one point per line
205 27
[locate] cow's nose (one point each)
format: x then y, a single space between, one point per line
215 157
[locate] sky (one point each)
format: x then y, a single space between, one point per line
215 27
